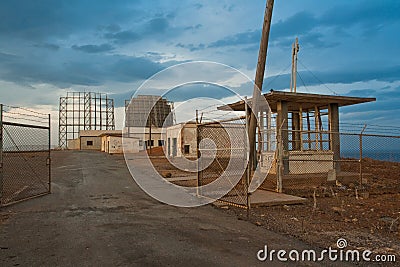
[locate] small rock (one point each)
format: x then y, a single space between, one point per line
258 223
338 209
224 207
286 207
294 219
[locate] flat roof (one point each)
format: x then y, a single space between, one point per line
97 133
304 100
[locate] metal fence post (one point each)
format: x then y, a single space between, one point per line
49 156
361 154
1 154
198 153
247 170
279 160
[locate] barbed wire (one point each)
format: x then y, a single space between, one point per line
28 110
24 119
28 115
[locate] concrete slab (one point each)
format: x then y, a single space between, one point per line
268 198
263 198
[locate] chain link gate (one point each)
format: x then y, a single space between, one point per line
24 154
222 160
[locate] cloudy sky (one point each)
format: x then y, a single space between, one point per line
49 47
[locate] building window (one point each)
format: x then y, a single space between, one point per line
89 143
160 142
140 142
186 149
150 143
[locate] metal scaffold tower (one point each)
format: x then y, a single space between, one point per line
84 111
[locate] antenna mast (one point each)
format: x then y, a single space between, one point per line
293 77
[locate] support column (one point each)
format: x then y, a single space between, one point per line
333 116
301 127
317 129
295 131
282 125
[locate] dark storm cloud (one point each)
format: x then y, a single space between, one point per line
84 70
194 27
37 20
369 16
344 76
191 47
248 37
93 48
151 28
7 57
123 37
157 25
53 47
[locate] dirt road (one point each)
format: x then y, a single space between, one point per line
98 216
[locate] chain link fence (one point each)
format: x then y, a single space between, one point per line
222 160
308 164
24 154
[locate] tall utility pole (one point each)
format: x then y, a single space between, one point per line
262 56
293 77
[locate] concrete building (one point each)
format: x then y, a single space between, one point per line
114 143
181 140
145 118
154 137
146 110
89 139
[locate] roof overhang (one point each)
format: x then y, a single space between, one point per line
304 101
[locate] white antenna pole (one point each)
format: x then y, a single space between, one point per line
292 73
296 49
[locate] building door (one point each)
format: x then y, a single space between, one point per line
174 148
169 147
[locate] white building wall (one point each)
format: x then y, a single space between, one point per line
143 135
180 136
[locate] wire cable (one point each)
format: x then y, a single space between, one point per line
315 76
